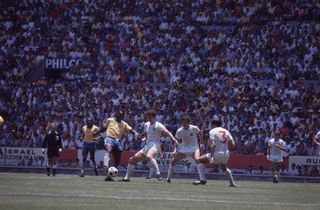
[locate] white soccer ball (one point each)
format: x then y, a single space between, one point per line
113 172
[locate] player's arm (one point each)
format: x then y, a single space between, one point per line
281 147
169 134
44 143
135 133
231 144
211 145
60 144
201 141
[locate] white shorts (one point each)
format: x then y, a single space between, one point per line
187 150
149 146
276 158
219 158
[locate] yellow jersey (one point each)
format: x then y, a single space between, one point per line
116 129
88 133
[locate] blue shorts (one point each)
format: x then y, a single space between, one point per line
91 147
115 143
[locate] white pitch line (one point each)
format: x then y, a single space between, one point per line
165 199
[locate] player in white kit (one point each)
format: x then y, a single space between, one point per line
188 136
153 131
220 142
274 155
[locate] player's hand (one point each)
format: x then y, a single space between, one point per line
43 150
60 149
268 157
173 154
136 136
144 139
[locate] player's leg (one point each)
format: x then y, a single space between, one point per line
151 154
92 153
173 162
109 143
151 172
84 158
139 156
49 164
276 171
201 161
117 150
227 173
54 165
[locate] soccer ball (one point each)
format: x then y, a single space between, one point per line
113 172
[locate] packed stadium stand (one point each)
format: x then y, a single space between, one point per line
255 63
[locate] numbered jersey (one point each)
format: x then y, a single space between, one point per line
221 138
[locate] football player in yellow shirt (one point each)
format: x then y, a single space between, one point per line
89 145
115 127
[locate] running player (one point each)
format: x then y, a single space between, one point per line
188 136
220 143
274 155
89 145
52 141
153 131
114 127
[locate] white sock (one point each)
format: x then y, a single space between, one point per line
129 171
106 160
151 171
170 171
277 175
155 166
200 167
228 174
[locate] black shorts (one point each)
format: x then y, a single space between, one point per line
52 154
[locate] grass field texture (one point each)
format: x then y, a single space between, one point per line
37 191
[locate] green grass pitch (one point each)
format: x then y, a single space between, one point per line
37 191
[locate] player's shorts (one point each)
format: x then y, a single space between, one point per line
187 150
52 153
116 143
91 147
149 146
276 158
219 158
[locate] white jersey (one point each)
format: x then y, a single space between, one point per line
274 151
153 132
221 138
188 137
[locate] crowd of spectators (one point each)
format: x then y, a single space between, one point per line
254 63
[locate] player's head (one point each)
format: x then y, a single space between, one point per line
119 115
216 121
185 120
53 127
1 121
151 114
89 122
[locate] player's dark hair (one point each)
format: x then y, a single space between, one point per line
185 118
152 112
